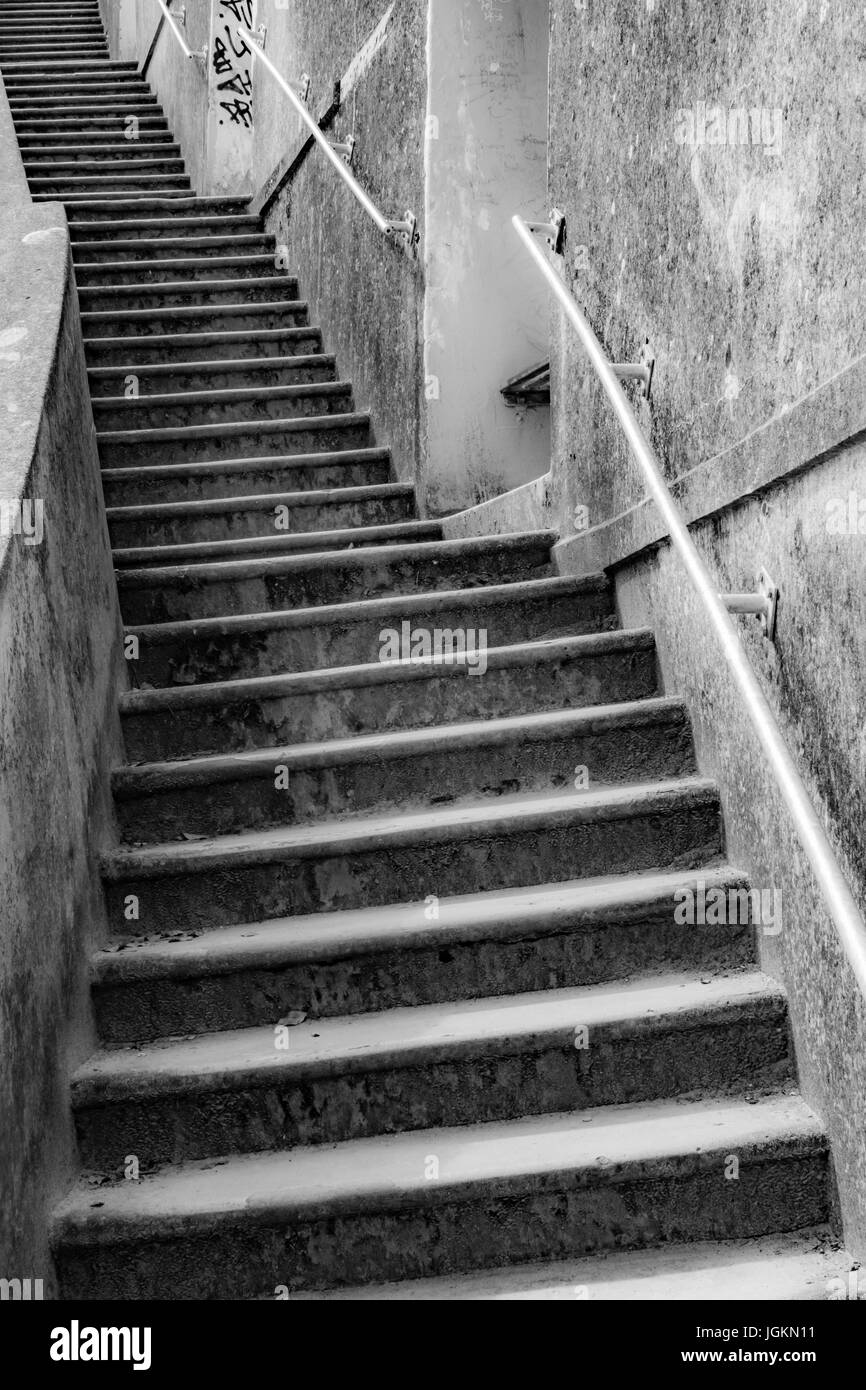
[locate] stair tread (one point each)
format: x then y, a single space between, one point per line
295 541
800 1266
201 506
375 748
492 915
361 558
291 424
407 1036
407 827
374 673
400 605
389 1172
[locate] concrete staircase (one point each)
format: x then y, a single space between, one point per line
392 993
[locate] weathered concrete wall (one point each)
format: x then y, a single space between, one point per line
714 191
486 311
179 82
59 673
366 293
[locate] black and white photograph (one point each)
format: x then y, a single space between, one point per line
432 672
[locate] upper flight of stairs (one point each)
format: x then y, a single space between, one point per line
392 994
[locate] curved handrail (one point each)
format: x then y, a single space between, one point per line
389 226
844 911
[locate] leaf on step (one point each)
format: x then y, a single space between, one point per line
185 835
292 1019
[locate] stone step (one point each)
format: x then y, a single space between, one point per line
46 155
273 314
208 501
83 107
155 379
68 185
506 941
157 349
147 229
448 1200
234 439
81 47
277 291
68 144
782 1268
230 405
79 80
408 856
346 634
439 1065
263 583
399 533
532 677
149 216
97 170
97 126
621 744
186 269
139 251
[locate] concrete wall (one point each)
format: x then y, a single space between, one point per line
59 673
486 313
180 83
365 292
714 191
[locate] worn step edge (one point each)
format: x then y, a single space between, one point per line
294 541
425 1034
378 833
149 778
366 558
610 1146
583 647
495 915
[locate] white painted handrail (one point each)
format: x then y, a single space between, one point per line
405 227
843 909
175 29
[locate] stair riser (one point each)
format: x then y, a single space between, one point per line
186 659
201 347
618 756
42 156
619 1066
343 431
192 320
142 416
216 378
139 252
504 965
278 289
562 1218
261 524
261 722
228 524
109 225
47 128
272 592
471 863
204 269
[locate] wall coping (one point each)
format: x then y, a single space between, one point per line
823 423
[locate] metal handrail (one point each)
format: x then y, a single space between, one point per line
844 911
175 29
405 227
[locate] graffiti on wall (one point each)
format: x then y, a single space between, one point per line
232 63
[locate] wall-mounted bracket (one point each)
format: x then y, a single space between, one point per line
180 16
762 604
304 86
554 230
636 371
262 36
407 233
345 148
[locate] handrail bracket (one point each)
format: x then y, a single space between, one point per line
762 603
